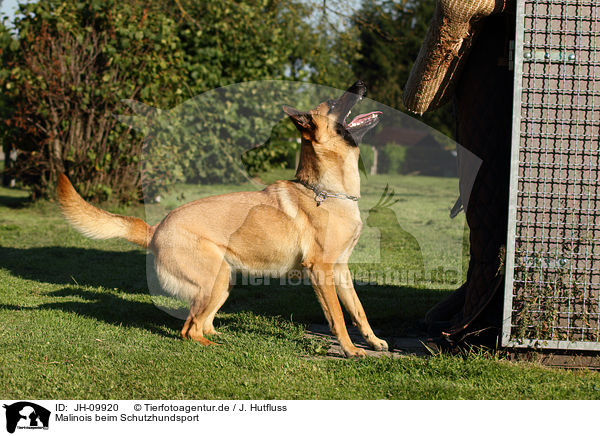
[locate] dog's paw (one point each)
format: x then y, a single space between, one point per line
354 352
197 337
379 345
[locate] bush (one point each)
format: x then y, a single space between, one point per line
278 152
74 61
72 64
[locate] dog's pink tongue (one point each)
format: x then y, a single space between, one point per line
362 117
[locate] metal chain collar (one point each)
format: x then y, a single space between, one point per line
321 195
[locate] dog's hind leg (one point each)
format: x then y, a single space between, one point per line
203 310
199 322
191 328
218 297
347 294
206 275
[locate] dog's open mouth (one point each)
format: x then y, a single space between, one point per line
340 110
363 120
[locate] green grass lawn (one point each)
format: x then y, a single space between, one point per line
77 320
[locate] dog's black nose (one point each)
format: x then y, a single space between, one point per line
359 88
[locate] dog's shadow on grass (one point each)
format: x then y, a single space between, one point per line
391 308
116 273
122 270
108 307
15 202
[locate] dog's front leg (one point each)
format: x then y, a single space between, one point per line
322 278
347 293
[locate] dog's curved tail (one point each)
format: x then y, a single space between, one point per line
96 223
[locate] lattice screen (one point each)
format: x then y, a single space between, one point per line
552 297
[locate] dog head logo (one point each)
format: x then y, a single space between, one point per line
26 415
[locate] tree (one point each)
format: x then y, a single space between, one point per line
390 35
233 42
5 108
73 62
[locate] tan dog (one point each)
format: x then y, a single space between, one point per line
312 222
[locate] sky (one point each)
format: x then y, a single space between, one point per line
9 7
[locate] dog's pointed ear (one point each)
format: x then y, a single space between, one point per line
302 120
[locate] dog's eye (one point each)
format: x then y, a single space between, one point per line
331 104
